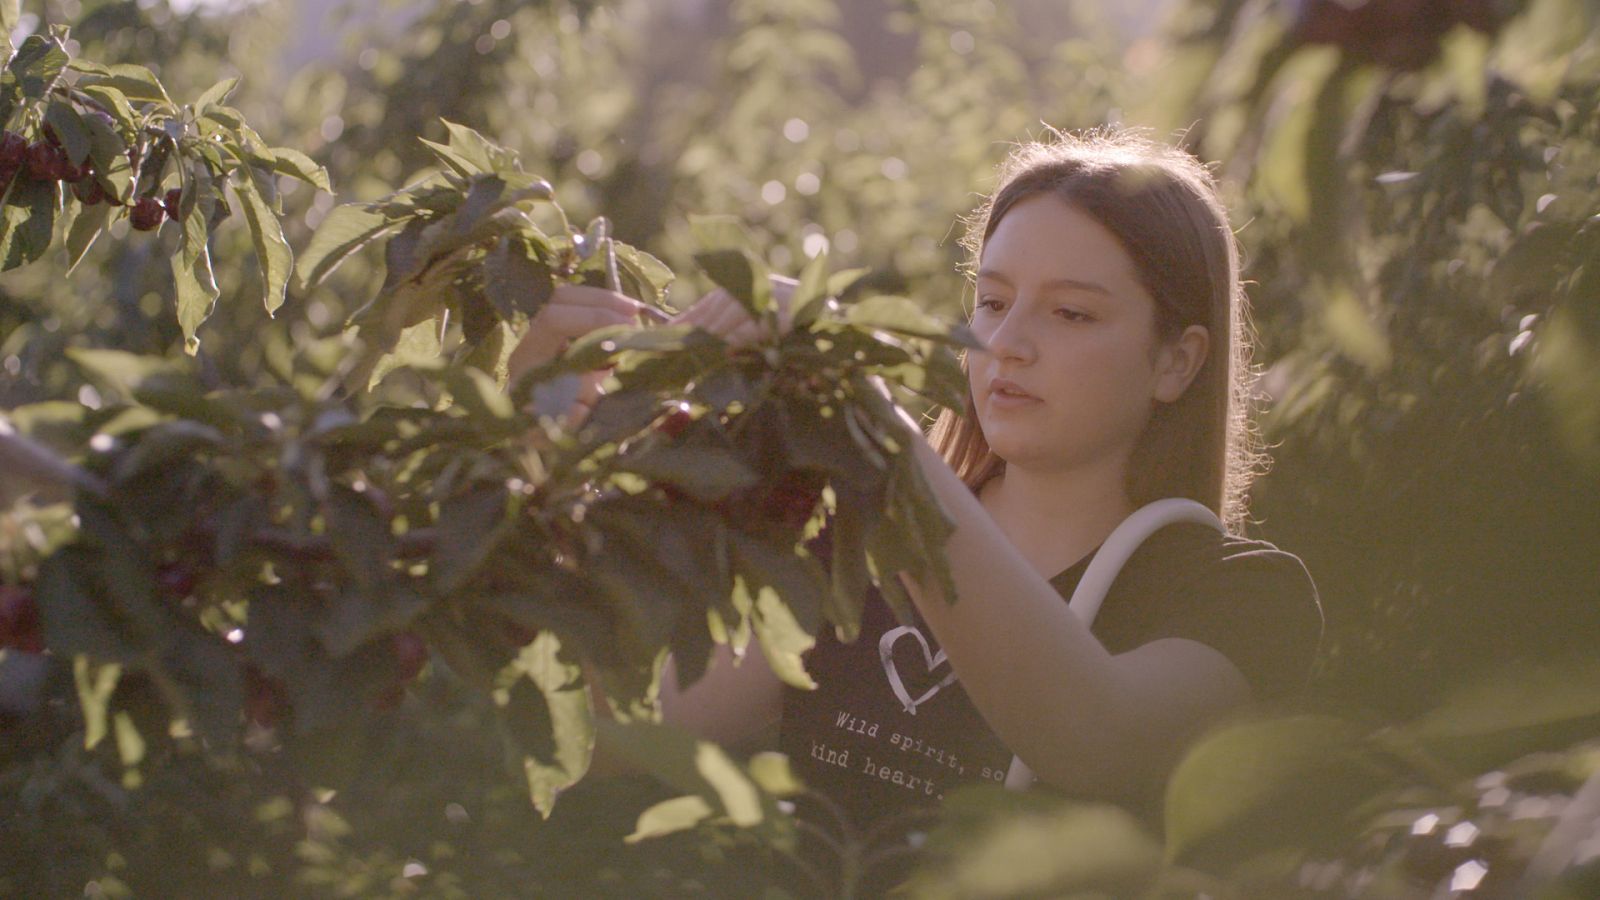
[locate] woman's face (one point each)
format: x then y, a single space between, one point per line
1072 367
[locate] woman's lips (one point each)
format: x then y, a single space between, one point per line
1007 394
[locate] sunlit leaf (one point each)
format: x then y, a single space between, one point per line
273 255
216 94
96 682
133 81
669 817
27 221
197 295
345 230
559 738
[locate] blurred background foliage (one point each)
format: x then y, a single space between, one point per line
1414 182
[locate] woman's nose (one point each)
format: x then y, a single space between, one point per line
1010 339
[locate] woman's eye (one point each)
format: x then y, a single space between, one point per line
1073 315
990 303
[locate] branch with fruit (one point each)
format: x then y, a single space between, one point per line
282 561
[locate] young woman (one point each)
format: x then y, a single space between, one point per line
1116 373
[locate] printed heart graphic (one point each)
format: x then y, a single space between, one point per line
934 660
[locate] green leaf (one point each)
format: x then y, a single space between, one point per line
205 673
345 230
651 274
669 817
27 222
122 371
811 295
706 473
133 81
1248 788
115 102
727 256
86 226
215 94
1512 711
901 315
194 212
785 593
515 279
470 529
847 565
451 159
74 611
96 683
291 162
361 536
37 66
773 774
688 765
558 738
109 153
842 281
479 150
273 255
417 344
166 444
197 295
1018 849
69 128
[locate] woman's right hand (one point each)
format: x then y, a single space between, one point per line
572 311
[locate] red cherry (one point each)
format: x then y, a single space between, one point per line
89 191
45 161
19 620
13 150
147 214
794 498
266 700
675 421
410 655
173 199
176 579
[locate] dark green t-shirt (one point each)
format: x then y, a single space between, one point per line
890 729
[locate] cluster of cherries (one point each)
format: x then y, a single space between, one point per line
266 698
790 501
47 160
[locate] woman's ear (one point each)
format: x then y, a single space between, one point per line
1180 361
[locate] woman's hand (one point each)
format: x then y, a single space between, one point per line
571 312
719 313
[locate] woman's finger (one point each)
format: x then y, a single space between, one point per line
556 325
747 333
599 298
730 317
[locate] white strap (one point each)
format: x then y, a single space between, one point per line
1107 564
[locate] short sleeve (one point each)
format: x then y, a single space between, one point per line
1248 600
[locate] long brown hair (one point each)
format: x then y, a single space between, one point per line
1162 205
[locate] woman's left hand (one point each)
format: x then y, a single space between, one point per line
719 313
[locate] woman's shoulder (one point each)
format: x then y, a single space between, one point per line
1246 597
1192 552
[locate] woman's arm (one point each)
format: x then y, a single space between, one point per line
736 703
1082 719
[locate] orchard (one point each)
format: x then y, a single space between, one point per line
301 593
